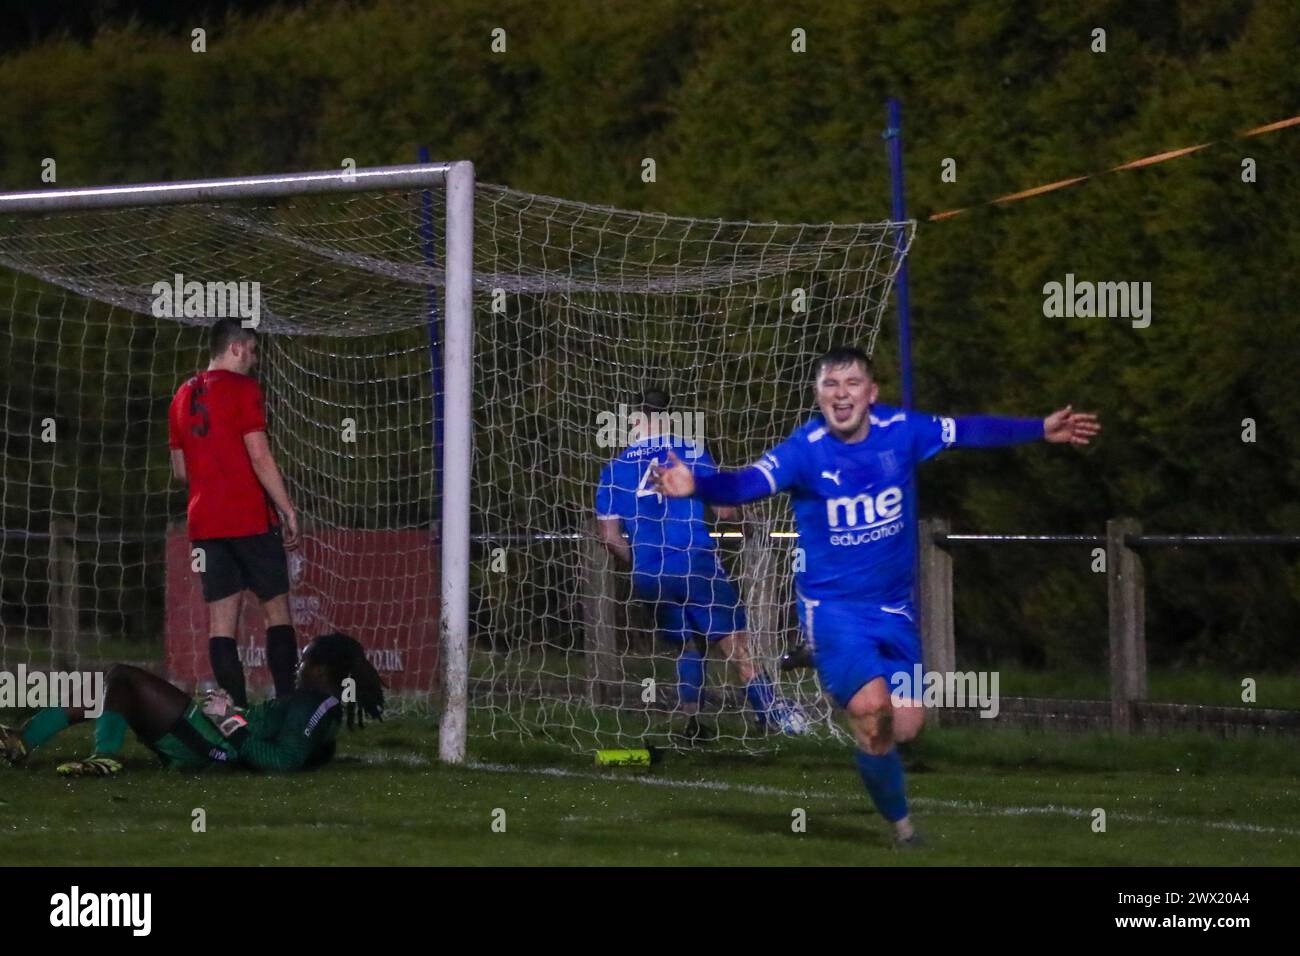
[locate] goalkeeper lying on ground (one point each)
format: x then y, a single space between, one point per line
288 733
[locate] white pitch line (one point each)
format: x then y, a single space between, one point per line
971 807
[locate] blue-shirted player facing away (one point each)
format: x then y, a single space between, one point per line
848 473
675 566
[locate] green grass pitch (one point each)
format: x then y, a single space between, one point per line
981 796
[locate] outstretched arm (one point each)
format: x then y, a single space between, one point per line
1065 426
993 431
676 480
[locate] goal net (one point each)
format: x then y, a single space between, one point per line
580 309
576 310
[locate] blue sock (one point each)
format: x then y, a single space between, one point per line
760 694
690 675
883 777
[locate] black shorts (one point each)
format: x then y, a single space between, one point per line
255 563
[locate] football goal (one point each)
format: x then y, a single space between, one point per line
447 367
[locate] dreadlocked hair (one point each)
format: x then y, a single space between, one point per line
344 657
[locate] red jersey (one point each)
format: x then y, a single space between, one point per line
209 418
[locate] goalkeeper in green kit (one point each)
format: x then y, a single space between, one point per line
294 732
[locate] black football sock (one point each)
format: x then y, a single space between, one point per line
282 657
223 652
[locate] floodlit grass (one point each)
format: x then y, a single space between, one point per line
981 796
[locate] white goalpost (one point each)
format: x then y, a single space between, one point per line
442 362
34 243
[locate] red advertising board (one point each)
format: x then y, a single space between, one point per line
380 587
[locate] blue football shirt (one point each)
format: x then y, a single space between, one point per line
850 502
665 533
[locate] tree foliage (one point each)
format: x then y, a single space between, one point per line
742 127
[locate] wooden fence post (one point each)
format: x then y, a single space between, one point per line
938 641
600 632
1127 609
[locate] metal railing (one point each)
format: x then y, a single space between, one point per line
1125 587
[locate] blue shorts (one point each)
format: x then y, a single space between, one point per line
699 601
854 642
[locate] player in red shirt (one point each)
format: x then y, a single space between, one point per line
217 434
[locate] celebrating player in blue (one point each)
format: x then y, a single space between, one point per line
676 568
848 473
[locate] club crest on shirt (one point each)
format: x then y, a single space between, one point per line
888 463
